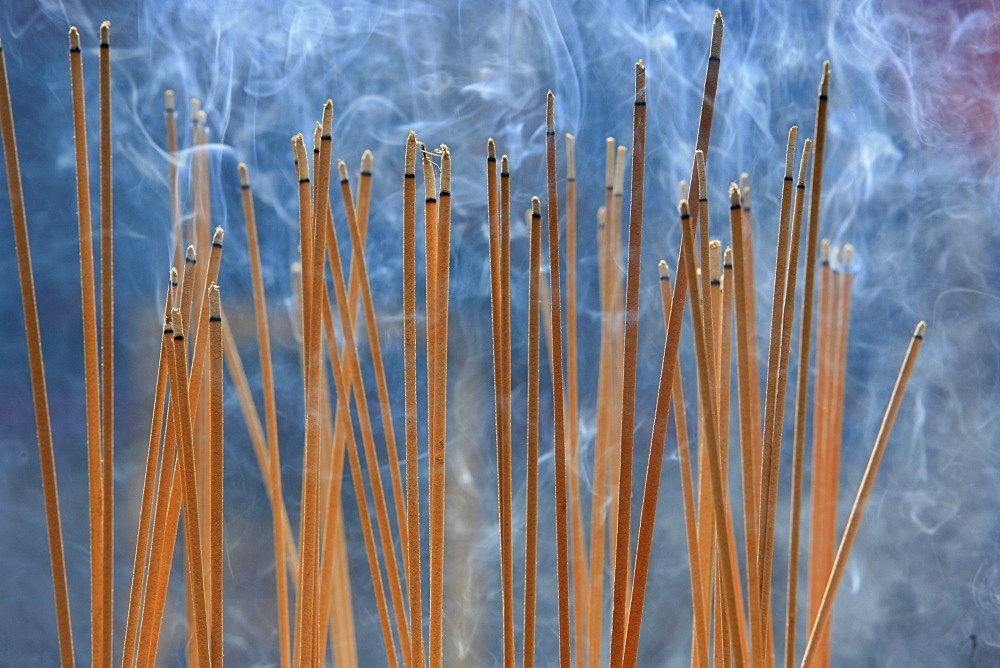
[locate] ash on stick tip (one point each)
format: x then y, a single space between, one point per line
342 170
734 195
202 117
715 260
177 322
504 165
410 164
746 197
74 39
664 270
570 156
214 302
244 175
105 32
536 207
717 29
190 255
491 149
550 112
640 83
699 161
793 134
824 251
727 258
918 333
824 82
217 237
429 178
445 169
168 100
847 256
804 164
367 158
328 119
173 276
685 211
317 136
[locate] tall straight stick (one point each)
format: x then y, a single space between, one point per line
531 493
864 491
619 609
558 411
802 377
39 395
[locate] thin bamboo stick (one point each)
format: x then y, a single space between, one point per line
531 493
802 377
36 366
864 491
558 410
619 607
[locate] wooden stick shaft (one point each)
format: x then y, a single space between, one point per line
864 491
36 366
531 493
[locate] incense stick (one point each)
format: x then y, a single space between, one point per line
802 377
619 608
169 107
410 381
215 467
105 642
273 480
91 357
36 365
864 490
531 493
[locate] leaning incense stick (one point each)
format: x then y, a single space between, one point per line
729 570
580 569
170 113
107 349
88 302
148 490
273 482
770 453
410 396
192 531
802 378
619 607
215 467
531 493
864 491
359 265
558 411
784 349
36 366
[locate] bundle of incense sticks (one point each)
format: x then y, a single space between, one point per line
733 618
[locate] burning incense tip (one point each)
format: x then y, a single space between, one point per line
640 83
195 107
190 255
847 256
366 162
105 31
570 157
536 207
491 149
734 196
824 251
918 333
301 167
504 166
715 261
177 323
410 164
793 134
824 82
74 39
804 164
173 276
244 176
327 120
684 210
664 270
727 258
717 29
217 237
168 101
342 170
445 170
430 192
550 113
214 303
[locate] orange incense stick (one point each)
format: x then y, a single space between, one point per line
215 468
531 493
36 365
864 491
619 607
